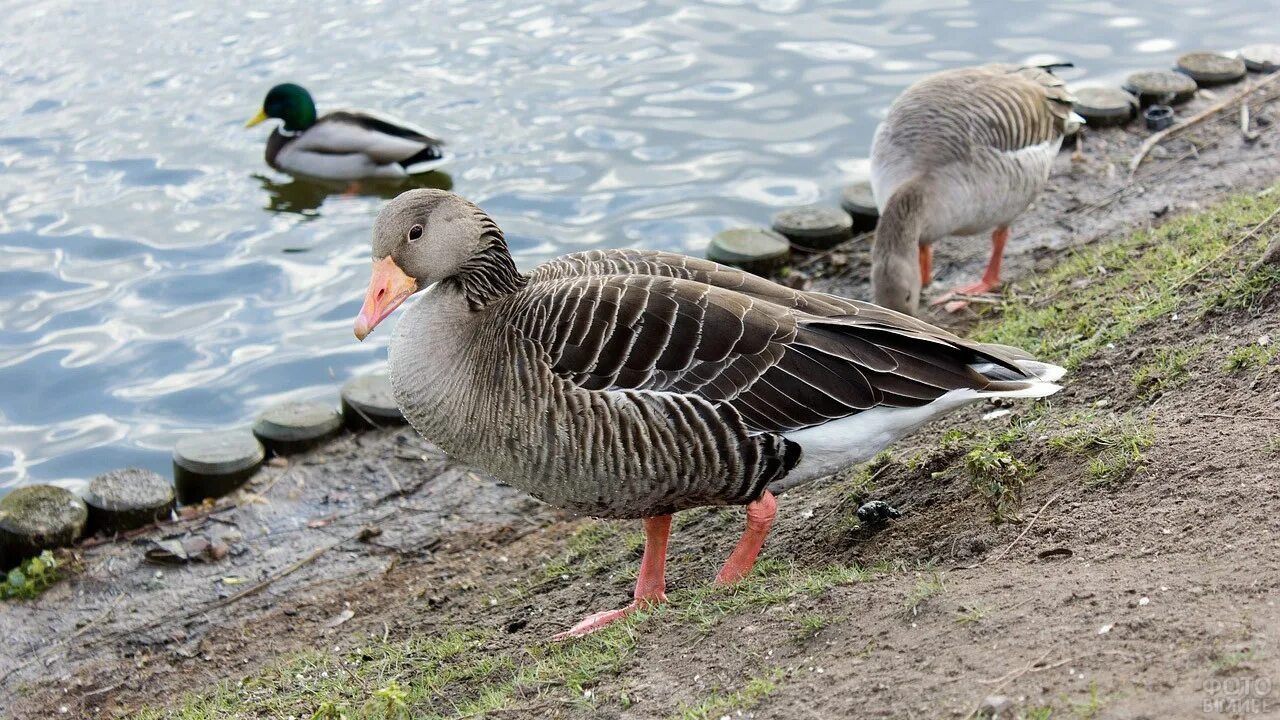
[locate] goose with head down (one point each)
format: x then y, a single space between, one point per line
960 152
344 144
636 384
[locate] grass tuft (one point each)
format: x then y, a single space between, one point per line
1250 357
722 704
1166 369
926 587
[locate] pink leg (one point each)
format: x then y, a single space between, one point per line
760 515
926 265
990 279
651 585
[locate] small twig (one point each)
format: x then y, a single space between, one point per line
846 245
1247 236
1009 547
1239 417
1149 144
1008 678
1249 136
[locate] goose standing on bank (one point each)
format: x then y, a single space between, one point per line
344 144
960 152
634 384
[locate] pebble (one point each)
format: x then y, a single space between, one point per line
1210 68
36 518
296 425
367 402
122 500
1104 106
1263 58
755 250
814 227
858 200
210 465
1161 86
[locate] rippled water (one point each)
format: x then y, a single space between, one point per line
156 278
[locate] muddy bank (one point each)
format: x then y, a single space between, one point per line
375 539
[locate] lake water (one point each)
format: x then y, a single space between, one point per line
156 278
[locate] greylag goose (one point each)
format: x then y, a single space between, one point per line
344 144
635 384
960 152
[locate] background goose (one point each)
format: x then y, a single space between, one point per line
344 144
633 384
960 152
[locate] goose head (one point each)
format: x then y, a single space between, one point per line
420 238
290 103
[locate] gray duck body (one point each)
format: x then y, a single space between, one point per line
632 384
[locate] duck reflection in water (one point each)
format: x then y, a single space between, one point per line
304 196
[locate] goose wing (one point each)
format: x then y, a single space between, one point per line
383 140
780 367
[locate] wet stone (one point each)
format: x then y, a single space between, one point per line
1263 58
1210 68
814 227
858 200
36 518
1161 86
210 465
1104 107
877 512
122 500
367 402
295 426
755 250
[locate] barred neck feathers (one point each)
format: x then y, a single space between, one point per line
490 273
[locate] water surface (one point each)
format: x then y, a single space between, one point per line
156 278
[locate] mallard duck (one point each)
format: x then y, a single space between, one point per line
344 144
960 152
636 384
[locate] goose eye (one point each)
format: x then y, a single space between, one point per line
415 232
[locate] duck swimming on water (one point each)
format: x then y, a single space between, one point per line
344 144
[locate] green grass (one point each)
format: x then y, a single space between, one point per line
456 675
1228 662
1250 357
971 615
1101 294
927 586
1115 447
721 704
30 578
1167 368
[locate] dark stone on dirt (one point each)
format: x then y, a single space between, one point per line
1161 86
1158 117
814 227
295 426
1262 58
367 403
858 200
36 518
122 500
1104 106
755 250
877 512
210 465
1210 68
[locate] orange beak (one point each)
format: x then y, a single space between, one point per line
388 288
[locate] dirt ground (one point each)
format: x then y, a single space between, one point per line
1133 575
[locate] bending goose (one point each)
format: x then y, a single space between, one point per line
960 152
344 144
634 384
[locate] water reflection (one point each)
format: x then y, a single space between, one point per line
301 196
